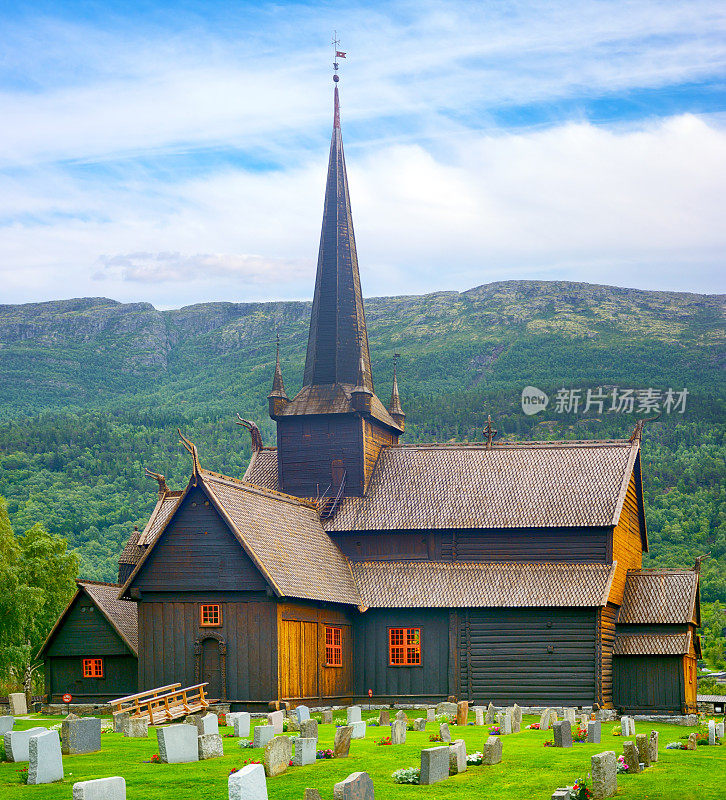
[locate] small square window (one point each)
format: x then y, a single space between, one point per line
404 647
333 647
93 668
210 615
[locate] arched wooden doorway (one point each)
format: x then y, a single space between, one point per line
210 664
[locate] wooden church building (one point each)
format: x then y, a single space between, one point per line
346 561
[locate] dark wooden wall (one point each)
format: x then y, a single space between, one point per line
307 446
504 656
371 669
606 641
649 683
86 629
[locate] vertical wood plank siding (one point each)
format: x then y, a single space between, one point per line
86 632
606 642
65 674
627 544
649 683
374 438
504 658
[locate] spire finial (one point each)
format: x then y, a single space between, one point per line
394 407
338 54
489 432
277 399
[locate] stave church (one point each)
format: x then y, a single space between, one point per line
347 564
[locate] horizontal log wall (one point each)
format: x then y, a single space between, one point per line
606 642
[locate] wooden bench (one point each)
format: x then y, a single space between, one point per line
172 705
131 702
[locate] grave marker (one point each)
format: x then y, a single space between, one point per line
277 756
434 765
209 745
430 714
562 734
341 744
419 724
712 732
137 728
302 713
247 783
604 772
46 761
444 732
309 729
641 742
18 705
357 786
121 721
398 732
327 716
457 756
632 759
359 730
177 744
446 708
492 752
262 735
491 715
100 789
241 723
384 717
81 735
16 744
653 746
594 731
353 714
304 752
462 712
277 720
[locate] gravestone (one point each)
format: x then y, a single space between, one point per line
719 730
712 731
604 772
309 729
627 726
302 713
100 789
16 744
121 721
327 716
457 756
653 746
81 736
446 708
384 717
430 714
594 731
248 783
517 714
562 734
419 724
137 728
262 735
444 732
492 752
205 723
277 720
401 716
398 732
479 716
277 755
177 744
353 714
506 724
569 715
359 730
434 765
357 786
312 794
241 724
230 717
631 757
305 750
641 742
462 712
18 706
545 719
690 744
491 715
516 726
46 761
341 744
563 793
209 745
500 717
6 724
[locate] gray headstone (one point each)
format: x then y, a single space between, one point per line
137 728
46 761
357 786
492 752
262 735
209 745
206 723
641 742
177 744
563 793
241 724
444 732
81 735
604 772
100 789
277 755
302 713
277 720
457 756
506 724
248 783
6 724
341 744
359 730
434 765
401 715
327 716
545 719
631 757
653 745
312 794
430 714
720 730
562 734
309 729
120 721
462 712
517 714
446 708
569 715
16 744
712 731
230 717
305 750
18 705
479 715
491 715
353 714
398 732
500 717
384 717
690 744
419 724
594 731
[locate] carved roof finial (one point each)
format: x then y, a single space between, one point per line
191 448
699 559
254 433
637 434
278 387
394 407
489 432
160 479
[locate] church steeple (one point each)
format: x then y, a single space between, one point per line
394 407
338 340
277 399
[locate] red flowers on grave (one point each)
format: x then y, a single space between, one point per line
387 740
153 760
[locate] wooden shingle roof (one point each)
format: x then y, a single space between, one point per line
652 644
466 584
654 596
139 541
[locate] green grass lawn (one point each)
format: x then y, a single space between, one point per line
528 769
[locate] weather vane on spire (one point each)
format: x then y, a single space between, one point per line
338 54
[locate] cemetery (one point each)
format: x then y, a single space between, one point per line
278 756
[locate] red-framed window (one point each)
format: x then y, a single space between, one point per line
93 668
210 615
333 647
404 647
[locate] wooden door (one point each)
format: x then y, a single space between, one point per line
211 668
299 655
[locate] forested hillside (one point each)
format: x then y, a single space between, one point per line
93 391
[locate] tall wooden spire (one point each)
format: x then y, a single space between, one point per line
338 341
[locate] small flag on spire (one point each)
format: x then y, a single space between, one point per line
339 54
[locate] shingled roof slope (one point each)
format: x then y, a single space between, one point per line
164 508
678 644
333 399
467 584
510 485
659 596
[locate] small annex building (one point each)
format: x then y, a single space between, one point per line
92 651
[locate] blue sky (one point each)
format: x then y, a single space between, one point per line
176 152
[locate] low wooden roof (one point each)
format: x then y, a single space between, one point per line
462 584
678 644
507 485
139 540
668 596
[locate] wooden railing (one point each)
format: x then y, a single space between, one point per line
169 706
131 702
